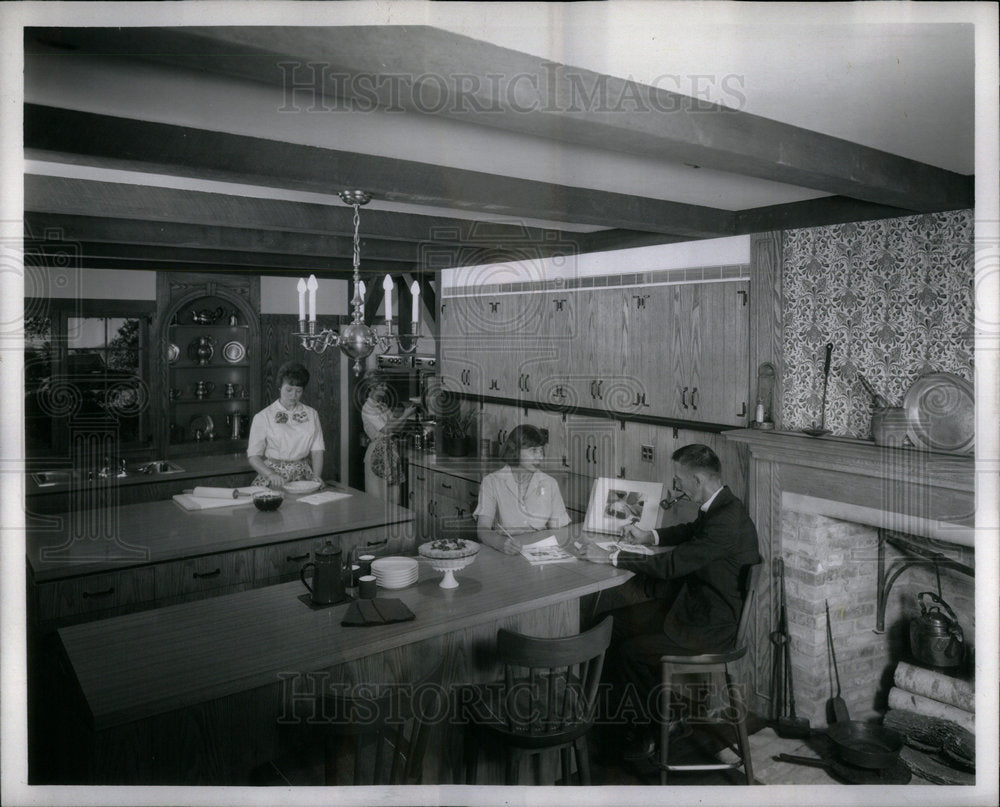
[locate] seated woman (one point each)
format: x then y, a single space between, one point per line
518 498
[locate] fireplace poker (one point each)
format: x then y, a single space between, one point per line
789 725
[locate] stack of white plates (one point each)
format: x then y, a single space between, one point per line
395 572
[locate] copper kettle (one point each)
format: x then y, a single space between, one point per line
328 575
936 639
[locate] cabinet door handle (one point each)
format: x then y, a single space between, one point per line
743 410
296 558
526 377
207 575
87 595
694 398
684 393
421 478
600 395
592 383
383 542
446 486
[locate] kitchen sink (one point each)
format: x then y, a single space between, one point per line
46 479
159 467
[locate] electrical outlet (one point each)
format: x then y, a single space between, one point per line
646 454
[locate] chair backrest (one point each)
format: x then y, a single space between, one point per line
751 577
551 684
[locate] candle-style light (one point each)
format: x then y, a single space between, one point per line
302 302
387 288
357 340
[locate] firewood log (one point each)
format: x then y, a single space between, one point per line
936 686
932 770
901 699
933 734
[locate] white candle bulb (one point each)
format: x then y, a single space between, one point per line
361 290
387 288
302 299
415 291
312 285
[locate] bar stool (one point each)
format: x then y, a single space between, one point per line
716 667
547 700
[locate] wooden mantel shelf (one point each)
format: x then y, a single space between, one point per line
925 493
863 457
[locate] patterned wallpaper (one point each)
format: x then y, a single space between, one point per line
895 297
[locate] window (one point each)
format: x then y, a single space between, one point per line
86 360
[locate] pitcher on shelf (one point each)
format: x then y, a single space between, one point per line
205 349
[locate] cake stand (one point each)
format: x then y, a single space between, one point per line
450 565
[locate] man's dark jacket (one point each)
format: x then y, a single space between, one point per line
708 557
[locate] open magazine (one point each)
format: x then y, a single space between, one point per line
546 551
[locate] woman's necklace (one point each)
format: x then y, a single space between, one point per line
523 481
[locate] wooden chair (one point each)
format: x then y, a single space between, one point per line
547 700
716 667
387 738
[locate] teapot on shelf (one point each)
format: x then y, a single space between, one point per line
206 317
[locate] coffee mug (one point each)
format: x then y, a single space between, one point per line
365 561
367 587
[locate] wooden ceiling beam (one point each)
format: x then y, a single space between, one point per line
202 236
813 213
113 142
86 197
427 70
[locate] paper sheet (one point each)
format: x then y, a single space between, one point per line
324 496
547 550
611 546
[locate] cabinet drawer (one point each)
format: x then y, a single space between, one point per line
203 574
93 593
455 487
283 561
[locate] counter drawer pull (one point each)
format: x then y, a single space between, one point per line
383 542
296 558
105 593
207 575
446 486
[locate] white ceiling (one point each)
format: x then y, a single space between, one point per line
902 87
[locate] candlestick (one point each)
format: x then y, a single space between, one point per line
387 288
312 285
415 292
302 299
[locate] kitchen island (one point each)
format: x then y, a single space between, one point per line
192 694
108 561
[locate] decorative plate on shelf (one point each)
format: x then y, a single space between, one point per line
941 413
173 353
234 352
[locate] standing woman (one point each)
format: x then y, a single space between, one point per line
286 440
383 468
519 498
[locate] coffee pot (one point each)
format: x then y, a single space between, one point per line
237 425
936 639
204 349
328 576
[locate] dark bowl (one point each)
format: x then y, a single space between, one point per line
267 501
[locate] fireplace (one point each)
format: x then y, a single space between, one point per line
826 506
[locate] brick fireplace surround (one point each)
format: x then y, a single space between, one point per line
819 504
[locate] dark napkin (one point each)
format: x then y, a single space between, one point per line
380 611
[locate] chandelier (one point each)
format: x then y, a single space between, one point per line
357 340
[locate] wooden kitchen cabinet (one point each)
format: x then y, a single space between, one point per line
677 351
193 578
442 503
91 596
205 398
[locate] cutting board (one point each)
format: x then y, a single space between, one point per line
189 502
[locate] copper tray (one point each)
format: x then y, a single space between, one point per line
941 413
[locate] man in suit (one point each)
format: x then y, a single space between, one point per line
705 566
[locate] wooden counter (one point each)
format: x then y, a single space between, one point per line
217 672
110 561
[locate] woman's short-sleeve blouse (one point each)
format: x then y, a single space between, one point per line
541 506
277 433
